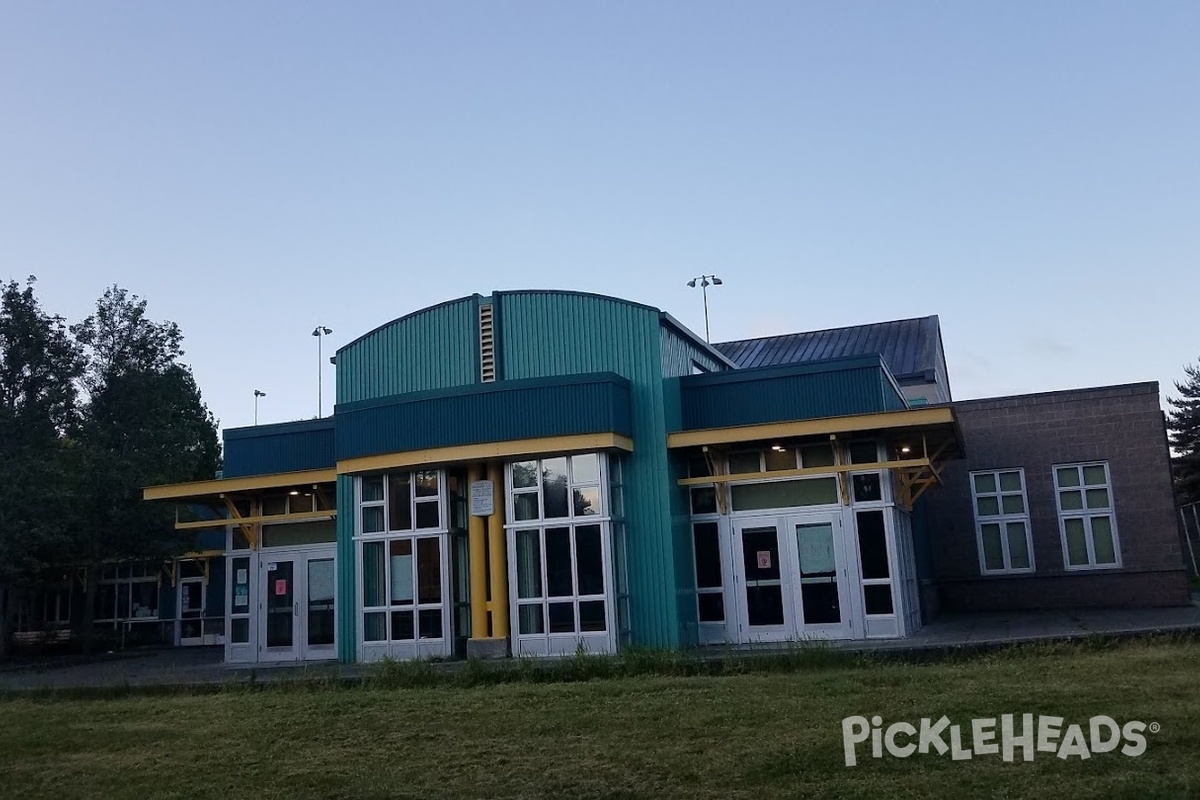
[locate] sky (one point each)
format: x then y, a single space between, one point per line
1028 171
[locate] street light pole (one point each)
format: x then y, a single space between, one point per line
257 394
705 282
320 332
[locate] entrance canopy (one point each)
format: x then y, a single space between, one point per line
919 441
250 501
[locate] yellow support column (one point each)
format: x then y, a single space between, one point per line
478 564
498 542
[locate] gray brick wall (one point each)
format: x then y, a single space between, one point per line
1122 425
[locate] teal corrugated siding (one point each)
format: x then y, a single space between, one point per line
487 412
284 447
347 608
558 333
777 394
678 354
434 348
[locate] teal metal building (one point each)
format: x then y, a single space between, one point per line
538 472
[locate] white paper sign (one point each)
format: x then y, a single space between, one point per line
482 503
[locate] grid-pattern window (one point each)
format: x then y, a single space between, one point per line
127 593
400 501
561 546
401 521
402 589
1002 528
1087 521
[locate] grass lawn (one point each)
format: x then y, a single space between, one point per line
758 734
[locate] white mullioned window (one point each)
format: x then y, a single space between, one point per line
1002 528
402 547
1086 518
127 593
560 551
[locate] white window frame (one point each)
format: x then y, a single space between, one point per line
1087 515
562 643
418 646
124 582
1002 519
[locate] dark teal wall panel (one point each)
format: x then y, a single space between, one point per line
490 412
434 348
347 571
776 394
286 447
562 333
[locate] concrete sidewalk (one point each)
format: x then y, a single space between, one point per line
203 666
997 628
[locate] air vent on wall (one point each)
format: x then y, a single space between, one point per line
487 345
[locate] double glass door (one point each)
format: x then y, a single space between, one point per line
792 578
297 616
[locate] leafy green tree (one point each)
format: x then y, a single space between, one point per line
144 423
39 367
1183 429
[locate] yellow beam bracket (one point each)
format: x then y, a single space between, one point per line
716 468
249 529
916 476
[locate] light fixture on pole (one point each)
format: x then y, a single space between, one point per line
257 394
705 282
320 332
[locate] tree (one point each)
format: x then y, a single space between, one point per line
1183 430
144 423
39 365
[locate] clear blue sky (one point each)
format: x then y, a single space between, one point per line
1030 171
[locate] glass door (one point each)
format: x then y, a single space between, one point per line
320 617
298 615
280 608
766 610
191 611
818 574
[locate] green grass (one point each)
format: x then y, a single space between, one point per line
663 726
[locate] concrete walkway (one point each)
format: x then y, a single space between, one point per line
997 628
203 666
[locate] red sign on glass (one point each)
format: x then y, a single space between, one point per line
764 559
281 586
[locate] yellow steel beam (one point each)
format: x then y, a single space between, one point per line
477 563
487 451
855 423
298 516
498 561
209 489
805 471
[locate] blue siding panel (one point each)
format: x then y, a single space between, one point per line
490 412
286 447
777 394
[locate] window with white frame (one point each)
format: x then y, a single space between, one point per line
127 593
401 525
561 544
1087 521
1002 529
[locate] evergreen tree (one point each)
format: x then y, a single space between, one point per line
39 365
1183 429
144 423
